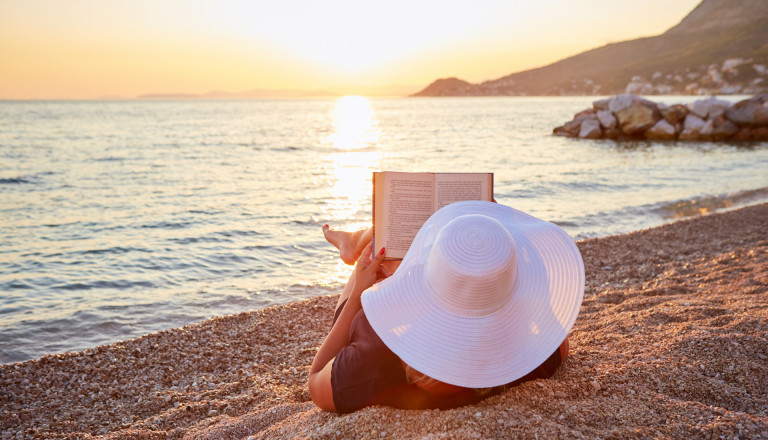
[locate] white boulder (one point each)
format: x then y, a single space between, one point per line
750 112
620 102
601 104
606 118
704 108
662 130
692 127
707 131
590 129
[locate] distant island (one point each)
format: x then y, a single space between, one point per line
721 47
248 94
341 90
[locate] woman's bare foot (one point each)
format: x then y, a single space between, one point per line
349 244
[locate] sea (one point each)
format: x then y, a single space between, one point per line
122 218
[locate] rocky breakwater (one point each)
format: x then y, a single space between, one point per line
628 117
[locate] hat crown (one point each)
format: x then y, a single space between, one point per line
472 266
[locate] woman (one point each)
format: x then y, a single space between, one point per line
483 300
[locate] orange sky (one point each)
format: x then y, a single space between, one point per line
83 49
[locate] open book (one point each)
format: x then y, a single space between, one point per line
402 202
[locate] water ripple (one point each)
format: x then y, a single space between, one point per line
14 180
122 218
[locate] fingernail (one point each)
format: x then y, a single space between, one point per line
381 252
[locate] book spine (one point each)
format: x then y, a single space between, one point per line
373 216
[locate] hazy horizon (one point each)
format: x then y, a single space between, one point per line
86 49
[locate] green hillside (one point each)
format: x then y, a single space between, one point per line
678 61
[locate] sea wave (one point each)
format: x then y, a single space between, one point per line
711 203
104 323
633 218
14 181
103 284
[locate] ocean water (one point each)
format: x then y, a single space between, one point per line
122 218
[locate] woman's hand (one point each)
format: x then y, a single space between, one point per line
367 270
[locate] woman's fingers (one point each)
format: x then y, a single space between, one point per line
379 258
367 269
365 257
383 273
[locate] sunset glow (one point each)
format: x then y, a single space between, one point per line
90 49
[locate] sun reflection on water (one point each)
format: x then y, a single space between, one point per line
352 159
355 123
348 166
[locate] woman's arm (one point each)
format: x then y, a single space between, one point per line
362 278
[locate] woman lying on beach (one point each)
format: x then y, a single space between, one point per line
482 301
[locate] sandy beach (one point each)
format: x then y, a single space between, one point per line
671 342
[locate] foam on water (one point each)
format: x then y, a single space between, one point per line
633 218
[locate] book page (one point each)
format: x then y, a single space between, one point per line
457 187
407 200
402 202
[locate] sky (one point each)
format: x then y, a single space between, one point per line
91 49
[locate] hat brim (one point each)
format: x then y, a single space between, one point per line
496 349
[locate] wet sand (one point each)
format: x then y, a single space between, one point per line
671 342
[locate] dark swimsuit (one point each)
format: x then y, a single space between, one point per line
365 372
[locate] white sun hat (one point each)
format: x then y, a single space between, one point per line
485 294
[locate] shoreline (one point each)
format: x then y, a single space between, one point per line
670 342
17 346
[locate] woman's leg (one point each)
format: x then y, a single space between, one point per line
349 244
345 293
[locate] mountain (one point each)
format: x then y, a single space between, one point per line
719 47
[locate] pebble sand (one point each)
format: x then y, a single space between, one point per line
671 342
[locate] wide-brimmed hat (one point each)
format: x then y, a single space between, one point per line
485 294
